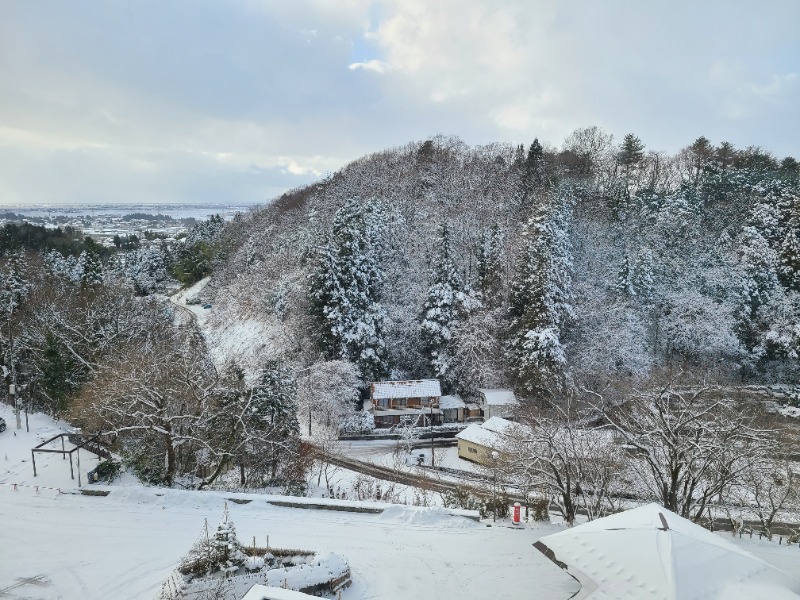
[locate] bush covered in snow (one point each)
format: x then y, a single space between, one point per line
219 566
360 423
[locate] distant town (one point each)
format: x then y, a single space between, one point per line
105 222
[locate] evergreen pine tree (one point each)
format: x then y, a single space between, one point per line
15 283
490 266
702 153
534 172
632 151
345 290
91 269
225 546
539 303
57 370
220 551
274 410
448 301
725 155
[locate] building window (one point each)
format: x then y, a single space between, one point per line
472 450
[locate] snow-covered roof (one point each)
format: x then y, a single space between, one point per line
500 425
493 433
420 388
263 592
650 552
449 402
476 434
498 397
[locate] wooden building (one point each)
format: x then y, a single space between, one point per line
415 401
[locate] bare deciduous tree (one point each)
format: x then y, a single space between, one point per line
691 447
571 464
769 486
155 395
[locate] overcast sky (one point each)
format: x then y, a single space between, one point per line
236 101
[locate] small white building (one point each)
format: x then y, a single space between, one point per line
650 552
453 409
496 402
478 441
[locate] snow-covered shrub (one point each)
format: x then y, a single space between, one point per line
460 498
359 423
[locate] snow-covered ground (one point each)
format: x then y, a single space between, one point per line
243 339
391 453
58 543
124 545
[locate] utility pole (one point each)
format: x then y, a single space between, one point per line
431 432
495 455
12 387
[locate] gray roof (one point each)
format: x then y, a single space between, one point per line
420 388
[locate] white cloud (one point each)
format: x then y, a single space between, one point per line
776 85
374 65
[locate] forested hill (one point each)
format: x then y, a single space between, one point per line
529 267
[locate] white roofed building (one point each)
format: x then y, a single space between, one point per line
263 592
394 402
652 553
453 409
477 442
497 402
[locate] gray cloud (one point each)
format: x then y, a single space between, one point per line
238 100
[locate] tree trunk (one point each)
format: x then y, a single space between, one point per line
171 462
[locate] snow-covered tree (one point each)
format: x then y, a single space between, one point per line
146 268
215 552
155 394
90 267
694 325
328 391
193 257
540 302
693 444
359 423
534 173
490 266
225 546
577 468
345 290
588 145
14 280
449 301
274 407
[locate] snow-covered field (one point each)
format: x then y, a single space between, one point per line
124 545
61 544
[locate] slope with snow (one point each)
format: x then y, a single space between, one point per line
124 545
